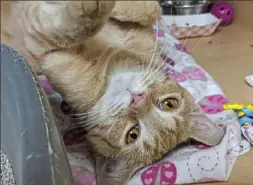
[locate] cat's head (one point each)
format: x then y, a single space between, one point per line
140 118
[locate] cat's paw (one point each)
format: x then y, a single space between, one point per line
143 12
89 17
97 8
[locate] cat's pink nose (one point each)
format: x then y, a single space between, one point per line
138 100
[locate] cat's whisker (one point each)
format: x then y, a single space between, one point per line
144 80
182 47
156 43
163 64
146 75
104 110
144 59
151 66
159 55
97 127
165 67
115 108
139 66
98 123
86 114
81 113
162 47
142 83
162 74
165 59
78 114
159 72
96 111
194 47
161 50
98 115
91 126
154 77
86 123
147 79
95 121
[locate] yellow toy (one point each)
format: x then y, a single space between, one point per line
244 112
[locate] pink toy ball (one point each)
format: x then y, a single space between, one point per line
223 11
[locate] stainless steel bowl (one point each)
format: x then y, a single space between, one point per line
183 7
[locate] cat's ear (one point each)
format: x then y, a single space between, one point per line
113 171
203 129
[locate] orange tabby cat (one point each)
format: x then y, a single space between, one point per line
103 58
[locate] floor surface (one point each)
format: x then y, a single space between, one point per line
228 57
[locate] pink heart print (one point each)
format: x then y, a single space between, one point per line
217 99
201 146
75 170
168 174
231 156
194 73
190 73
159 33
45 84
181 48
211 109
212 104
178 77
170 61
85 179
148 177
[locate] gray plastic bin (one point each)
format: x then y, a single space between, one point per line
29 135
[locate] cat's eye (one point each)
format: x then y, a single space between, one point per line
168 104
132 134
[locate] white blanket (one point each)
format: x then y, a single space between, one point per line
190 164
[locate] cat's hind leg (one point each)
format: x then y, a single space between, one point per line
62 24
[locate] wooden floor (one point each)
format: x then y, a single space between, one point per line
228 57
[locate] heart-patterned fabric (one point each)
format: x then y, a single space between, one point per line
189 164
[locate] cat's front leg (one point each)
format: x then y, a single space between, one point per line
63 23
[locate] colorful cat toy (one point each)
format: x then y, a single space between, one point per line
244 112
